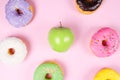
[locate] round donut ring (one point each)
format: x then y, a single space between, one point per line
12 50
104 42
107 74
18 13
48 71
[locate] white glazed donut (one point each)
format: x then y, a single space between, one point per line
12 50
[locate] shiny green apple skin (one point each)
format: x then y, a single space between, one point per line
60 38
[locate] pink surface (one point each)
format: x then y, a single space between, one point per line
79 62
104 37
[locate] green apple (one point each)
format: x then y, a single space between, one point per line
60 38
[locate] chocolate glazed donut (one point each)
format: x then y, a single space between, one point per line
88 5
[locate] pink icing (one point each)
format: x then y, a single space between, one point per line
105 42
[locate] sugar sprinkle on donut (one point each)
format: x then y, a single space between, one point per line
104 42
19 13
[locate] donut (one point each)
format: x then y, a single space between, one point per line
12 50
104 42
48 71
107 74
87 6
18 13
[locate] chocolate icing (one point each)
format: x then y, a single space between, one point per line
89 5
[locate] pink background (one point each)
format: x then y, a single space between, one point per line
79 63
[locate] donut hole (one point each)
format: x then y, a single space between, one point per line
48 76
104 43
19 12
11 51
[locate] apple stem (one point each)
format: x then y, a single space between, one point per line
60 24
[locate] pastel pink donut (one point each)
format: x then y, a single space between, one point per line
105 42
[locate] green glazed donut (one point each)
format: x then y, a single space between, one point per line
48 71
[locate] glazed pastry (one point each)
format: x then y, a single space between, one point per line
87 6
48 71
12 50
107 74
18 13
104 42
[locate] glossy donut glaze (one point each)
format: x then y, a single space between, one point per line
89 5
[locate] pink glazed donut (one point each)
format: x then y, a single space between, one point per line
105 42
